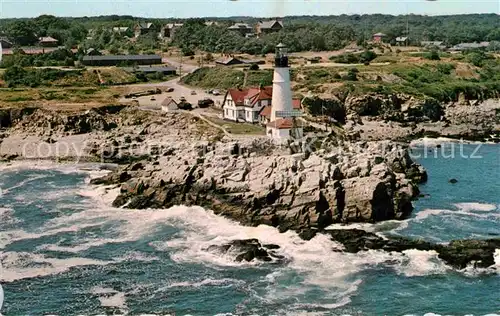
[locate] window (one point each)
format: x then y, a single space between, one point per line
226 112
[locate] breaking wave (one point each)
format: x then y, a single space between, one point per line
318 263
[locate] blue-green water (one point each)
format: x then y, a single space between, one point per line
65 251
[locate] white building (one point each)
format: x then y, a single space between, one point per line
245 105
283 125
169 105
252 105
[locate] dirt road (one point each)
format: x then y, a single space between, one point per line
192 95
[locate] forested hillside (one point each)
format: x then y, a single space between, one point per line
301 33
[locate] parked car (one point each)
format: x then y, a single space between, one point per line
169 90
185 106
216 92
205 103
153 98
193 92
182 99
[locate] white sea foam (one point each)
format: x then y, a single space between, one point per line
108 297
420 263
202 283
485 212
432 142
92 169
478 207
7 218
21 265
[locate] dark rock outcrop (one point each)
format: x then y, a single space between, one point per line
458 254
247 250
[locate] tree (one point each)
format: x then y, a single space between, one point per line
209 57
367 56
22 33
433 55
46 22
352 74
187 51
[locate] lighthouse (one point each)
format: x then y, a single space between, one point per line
282 126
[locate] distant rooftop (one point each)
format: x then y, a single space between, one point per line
122 57
269 24
48 39
237 26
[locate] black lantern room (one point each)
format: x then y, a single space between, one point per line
281 58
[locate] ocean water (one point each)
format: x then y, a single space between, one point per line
65 251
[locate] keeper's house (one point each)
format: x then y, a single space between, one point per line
119 60
251 105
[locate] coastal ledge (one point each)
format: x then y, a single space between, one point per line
257 183
458 254
251 181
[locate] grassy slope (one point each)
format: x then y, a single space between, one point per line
403 73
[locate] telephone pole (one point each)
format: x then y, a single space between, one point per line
180 67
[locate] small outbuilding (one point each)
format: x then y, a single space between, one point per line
48 41
379 37
229 61
5 43
402 40
169 105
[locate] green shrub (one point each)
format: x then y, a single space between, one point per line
445 68
367 56
432 55
346 59
352 74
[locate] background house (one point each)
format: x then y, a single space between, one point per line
267 27
468 46
145 28
241 28
228 61
402 40
379 37
168 30
121 29
5 42
433 44
233 61
48 41
93 52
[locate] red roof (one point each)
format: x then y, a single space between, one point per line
282 123
252 94
266 111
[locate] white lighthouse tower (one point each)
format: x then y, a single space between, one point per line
283 125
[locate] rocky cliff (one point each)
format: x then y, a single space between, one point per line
400 117
256 184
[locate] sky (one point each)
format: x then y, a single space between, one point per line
224 8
